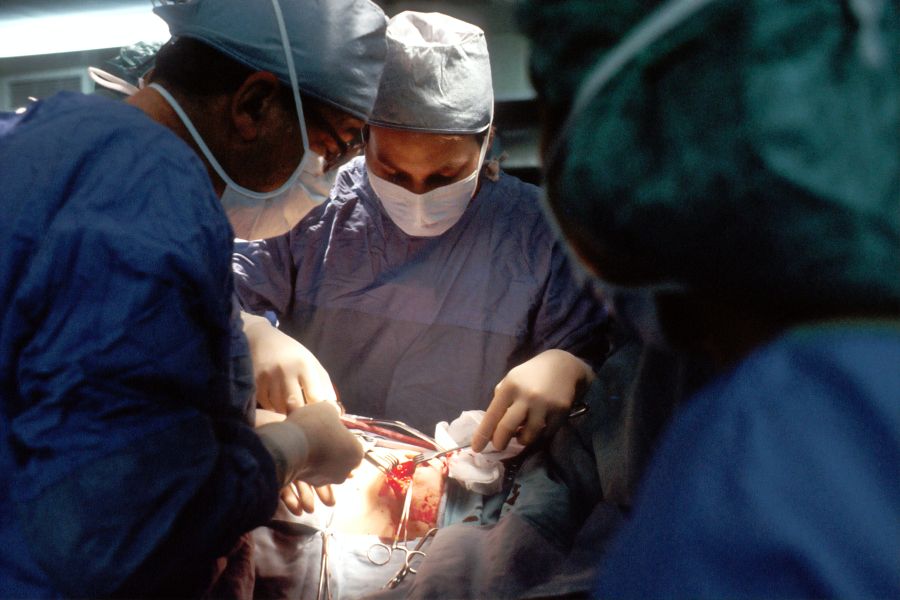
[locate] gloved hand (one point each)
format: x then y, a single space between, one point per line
312 445
534 396
287 375
298 496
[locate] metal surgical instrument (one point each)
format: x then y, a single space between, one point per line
409 555
380 553
385 463
426 456
398 426
407 567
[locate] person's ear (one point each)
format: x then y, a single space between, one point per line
254 103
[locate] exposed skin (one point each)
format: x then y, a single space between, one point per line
257 140
420 162
250 132
534 396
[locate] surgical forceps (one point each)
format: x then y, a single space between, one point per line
380 553
578 409
407 568
385 463
389 426
423 457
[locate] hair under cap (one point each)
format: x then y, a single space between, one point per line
437 77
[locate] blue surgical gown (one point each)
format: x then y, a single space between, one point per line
126 464
419 329
780 479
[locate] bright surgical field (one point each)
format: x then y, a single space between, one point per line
370 502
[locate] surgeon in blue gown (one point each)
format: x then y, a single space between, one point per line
730 172
128 464
425 281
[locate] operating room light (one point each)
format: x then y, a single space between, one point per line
76 31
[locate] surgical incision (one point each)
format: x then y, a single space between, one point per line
370 502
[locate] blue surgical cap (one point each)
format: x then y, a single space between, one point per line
338 46
437 77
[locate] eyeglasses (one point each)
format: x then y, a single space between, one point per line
346 150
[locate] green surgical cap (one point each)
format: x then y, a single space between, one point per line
134 61
751 151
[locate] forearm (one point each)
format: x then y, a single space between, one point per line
288 446
154 511
254 324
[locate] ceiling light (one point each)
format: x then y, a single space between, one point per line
85 30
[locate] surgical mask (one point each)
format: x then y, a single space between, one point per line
258 215
434 212
254 219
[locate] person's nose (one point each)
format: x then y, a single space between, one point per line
418 186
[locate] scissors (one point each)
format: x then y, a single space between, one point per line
380 553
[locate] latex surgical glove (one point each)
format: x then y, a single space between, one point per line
298 496
534 396
287 375
311 445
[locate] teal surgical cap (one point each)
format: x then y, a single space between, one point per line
745 149
338 46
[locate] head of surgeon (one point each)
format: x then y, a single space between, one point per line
726 169
430 128
272 97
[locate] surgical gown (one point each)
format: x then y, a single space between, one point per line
126 465
778 480
419 329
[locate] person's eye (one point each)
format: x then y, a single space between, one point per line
391 175
439 180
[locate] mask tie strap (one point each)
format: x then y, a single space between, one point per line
194 133
111 82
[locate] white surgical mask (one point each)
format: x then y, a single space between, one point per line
254 219
257 215
431 213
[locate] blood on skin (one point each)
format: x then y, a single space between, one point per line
400 478
370 502
426 500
